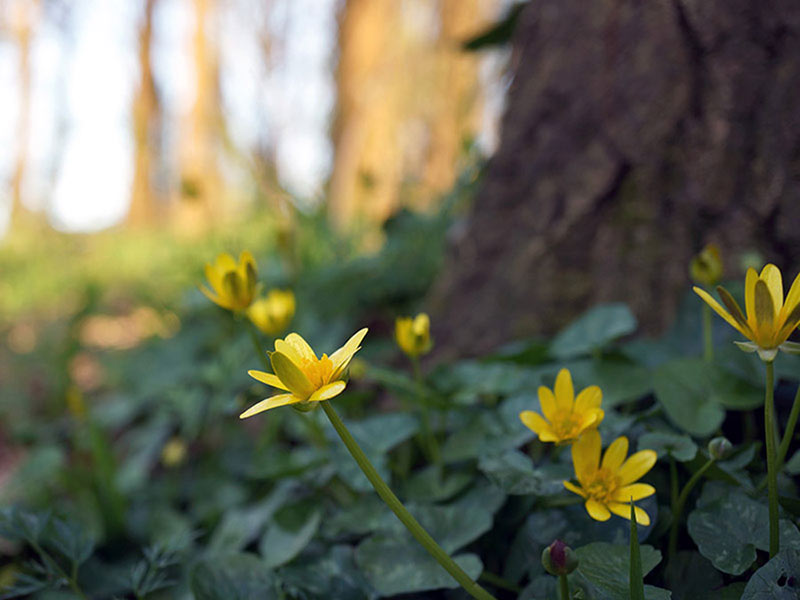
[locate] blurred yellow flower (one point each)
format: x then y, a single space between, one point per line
413 334
705 267
565 416
174 452
233 286
305 377
609 486
769 319
273 313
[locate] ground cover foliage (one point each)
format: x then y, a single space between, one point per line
149 486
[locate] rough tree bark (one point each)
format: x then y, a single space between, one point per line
635 132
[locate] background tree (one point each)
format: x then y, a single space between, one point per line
669 125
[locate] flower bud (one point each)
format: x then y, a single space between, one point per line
559 559
720 448
413 335
173 453
706 267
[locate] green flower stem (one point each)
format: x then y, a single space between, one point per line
789 433
427 433
413 526
251 329
772 466
499 582
563 586
673 481
677 508
708 341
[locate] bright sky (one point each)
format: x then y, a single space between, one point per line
84 82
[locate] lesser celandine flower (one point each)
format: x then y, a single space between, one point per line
233 285
304 377
273 313
609 486
706 266
565 416
413 335
768 319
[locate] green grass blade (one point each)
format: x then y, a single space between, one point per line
636 579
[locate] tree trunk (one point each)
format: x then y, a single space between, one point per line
635 133
201 185
146 130
24 18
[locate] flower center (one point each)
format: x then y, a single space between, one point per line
603 486
318 371
568 426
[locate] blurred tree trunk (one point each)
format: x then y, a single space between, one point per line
366 171
146 130
25 16
671 124
455 117
201 185
408 99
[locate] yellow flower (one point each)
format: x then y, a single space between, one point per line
706 267
233 286
565 416
609 486
174 452
305 377
273 313
769 320
413 334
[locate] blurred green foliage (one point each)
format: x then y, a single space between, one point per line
274 507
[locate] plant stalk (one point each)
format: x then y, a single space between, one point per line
413 526
431 444
677 508
772 466
708 341
789 433
563 586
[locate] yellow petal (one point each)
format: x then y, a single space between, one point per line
589 398
624 511
326 392
771 275
765 314
635 491
718 309
586 455
615 454
593 418
792 320
225 262
750 297
548 403
274 402
291 376
213 276
268 378
574 488
538 425
734 310
636 466
214 297
792 299
341 358
564 392
304 351
597 511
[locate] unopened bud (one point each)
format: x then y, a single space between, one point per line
559 559
706 267
720 448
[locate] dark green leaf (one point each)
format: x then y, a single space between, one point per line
779 579
680 447
514 473
607 568
728 527
233 577
291 530
399 565
593 331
